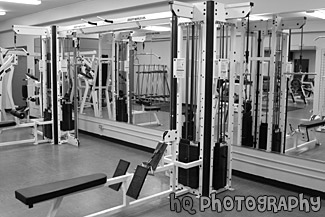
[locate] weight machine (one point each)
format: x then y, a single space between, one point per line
54 67
210 22
265 82
8 60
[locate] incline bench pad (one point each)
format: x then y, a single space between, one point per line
311 124
40 193
7 124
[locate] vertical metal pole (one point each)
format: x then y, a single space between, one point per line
258 71
193 69
232 78
271 95
208 97
131 83
173 81
187 79
75 98
44 74
55 99
284 93
100 76
114 67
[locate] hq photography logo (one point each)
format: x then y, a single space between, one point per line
264 203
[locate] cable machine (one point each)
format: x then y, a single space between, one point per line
61 119
264 113
205 71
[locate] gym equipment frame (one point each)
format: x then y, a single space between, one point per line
49 35
209 22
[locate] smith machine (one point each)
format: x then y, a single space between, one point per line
206 66
55 74
263 87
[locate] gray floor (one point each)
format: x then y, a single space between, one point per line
27 165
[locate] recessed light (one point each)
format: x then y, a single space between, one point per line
2 13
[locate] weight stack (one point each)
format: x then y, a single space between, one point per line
121 110
67 123
188 153
47 129
276 141
263 136
190 131
247 123
220 166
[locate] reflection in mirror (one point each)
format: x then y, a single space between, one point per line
283 85
124 77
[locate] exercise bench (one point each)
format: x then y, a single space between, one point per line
148 110
307 130
57 190
4 124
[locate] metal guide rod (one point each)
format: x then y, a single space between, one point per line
131 81
193 69
187 79
75 77
54 86
100 76
258 71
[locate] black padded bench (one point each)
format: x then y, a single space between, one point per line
7 124
152 108
307 129
312 124
54 190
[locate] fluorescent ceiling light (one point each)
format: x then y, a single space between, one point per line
257 17
319 13
157 28
30 2
2 13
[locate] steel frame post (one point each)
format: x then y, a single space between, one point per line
114 63
231 112
209 58
130 81
55 88
75 98
100 76
173 81
240 89
272 87
284 95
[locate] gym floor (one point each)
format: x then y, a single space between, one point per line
28 165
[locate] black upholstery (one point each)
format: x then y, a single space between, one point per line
312 124
121 170
40 193
7 124
152 108
137 182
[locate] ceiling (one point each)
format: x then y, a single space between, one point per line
17 10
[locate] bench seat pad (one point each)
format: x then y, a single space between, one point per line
40 193
7 124
311 124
